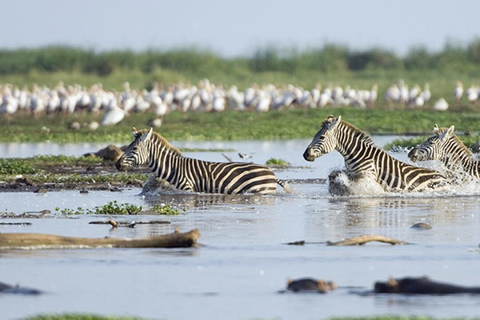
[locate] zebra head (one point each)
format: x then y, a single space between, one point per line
137 152
324 141
434 147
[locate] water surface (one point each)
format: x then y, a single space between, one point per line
243 261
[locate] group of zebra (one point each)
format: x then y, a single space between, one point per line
362 160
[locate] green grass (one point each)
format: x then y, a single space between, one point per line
166 210
236 125
277 162
111 208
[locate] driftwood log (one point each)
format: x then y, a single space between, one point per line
6 288
48 241
310 285
422 285
360 240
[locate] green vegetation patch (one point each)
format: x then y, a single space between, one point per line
240 125
166 210
277 162
15 166
111 208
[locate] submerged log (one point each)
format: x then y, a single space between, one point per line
422 285
6 288
310 285
48 241
360 240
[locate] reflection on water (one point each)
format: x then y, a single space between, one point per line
206 201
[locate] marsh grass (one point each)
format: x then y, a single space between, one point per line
167 210
111 208
236 125
277 162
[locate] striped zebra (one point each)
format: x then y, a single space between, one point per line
445 146
364 159
187 174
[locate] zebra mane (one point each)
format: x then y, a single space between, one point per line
457 140
359 133
157 139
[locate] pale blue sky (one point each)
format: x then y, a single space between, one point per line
237 28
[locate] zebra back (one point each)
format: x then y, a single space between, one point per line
189 174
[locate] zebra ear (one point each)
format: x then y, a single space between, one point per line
147 135
448 133
335 122
135 133
436 129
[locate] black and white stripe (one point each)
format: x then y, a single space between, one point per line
363 158
445 146
188 174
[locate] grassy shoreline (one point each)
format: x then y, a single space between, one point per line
236 125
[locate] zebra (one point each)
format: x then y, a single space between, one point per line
445 146
188 174
364 159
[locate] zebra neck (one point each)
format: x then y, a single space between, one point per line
350 142
165 163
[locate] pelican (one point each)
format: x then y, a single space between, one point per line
114 115
440 105
458 92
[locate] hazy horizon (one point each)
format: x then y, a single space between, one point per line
238 29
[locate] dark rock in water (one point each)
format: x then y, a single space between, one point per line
111 152
422 285
421 226
6 288
310 285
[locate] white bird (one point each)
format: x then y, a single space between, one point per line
426 94
114 115
458 92
472 94
440 105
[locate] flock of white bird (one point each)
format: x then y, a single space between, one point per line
206 96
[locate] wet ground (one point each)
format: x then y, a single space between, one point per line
243 261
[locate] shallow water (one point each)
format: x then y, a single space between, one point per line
243 261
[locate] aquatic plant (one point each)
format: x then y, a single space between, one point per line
16 166
166 210
111 208
277 162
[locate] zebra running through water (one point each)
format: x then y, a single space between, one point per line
188 174
445 146
364 159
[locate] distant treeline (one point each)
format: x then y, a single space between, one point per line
329 58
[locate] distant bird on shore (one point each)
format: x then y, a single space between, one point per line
244 156
440 105
458 92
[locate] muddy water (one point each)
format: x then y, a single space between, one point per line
244 261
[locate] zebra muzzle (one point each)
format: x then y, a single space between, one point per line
119 165
308 155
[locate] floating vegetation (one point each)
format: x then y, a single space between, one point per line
277 162
111 208
166 210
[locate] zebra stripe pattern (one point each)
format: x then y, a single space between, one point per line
363 158
188 174
445 146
